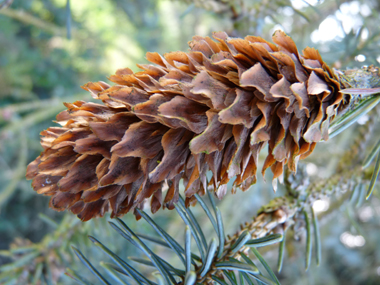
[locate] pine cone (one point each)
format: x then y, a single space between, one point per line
212 108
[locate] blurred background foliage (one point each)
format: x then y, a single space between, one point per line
49 48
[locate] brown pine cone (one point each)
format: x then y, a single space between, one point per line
212 108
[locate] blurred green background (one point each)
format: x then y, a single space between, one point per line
48 49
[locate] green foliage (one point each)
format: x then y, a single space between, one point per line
196 269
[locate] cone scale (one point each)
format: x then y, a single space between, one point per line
210 109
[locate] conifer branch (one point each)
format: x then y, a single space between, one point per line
283 212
